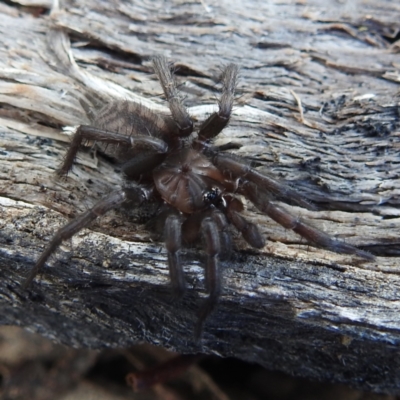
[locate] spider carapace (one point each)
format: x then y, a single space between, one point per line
197 186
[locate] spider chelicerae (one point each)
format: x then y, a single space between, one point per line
197 186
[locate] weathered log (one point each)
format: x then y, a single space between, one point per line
317 106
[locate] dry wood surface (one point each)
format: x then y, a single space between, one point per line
317 107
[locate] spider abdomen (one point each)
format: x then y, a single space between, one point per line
184 177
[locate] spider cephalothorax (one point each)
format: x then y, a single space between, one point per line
197 186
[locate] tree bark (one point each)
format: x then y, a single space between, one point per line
317 107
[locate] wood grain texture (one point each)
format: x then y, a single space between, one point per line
317 106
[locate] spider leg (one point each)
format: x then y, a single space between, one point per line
239 169
191 229
141 164
223 230
87 132
173 243
113 200
178 110
217 121
260 199
209 231
248 230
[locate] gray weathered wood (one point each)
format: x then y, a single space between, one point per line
318 106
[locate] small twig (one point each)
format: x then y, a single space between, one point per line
298 101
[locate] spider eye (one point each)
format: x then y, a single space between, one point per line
212 196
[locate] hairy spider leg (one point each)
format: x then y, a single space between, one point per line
210 234
256 186
260 199
223 230
192 226
142 164
113 200
173 243
179 113
248 230
217 121
87 132
212 226
236 168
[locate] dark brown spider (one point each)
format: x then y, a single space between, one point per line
197 186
